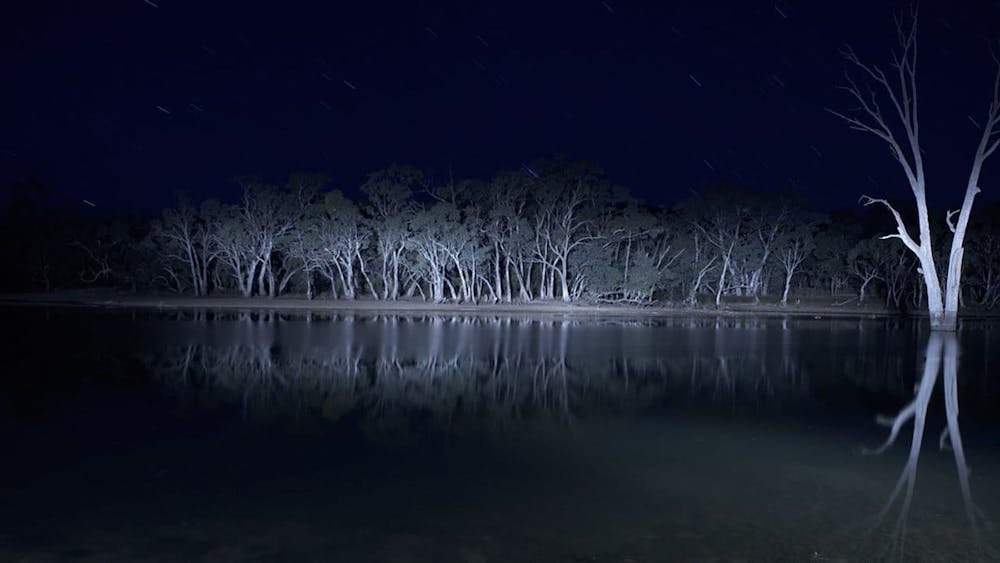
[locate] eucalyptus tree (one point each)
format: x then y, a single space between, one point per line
768 224
721 217
665 247
541 229
99 257
466 243
833 241
700 263
983 285
863 263
595 274
894 267
891 266
639 248
302 247
248 234
508 231
174 236
116 253
461 243
555 231
900 130
390 208
341 236
567 216
626 231
298 200
236 249
430 239
206 251
795 246
263 217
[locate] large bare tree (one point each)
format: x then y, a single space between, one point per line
899 127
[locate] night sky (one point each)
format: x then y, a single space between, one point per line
124 102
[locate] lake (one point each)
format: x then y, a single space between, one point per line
199 436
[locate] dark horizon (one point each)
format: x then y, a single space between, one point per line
124 104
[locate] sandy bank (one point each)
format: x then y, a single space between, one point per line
109 299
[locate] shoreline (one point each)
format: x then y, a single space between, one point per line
111 300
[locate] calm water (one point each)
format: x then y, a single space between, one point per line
198 437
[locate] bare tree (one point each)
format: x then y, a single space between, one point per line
768 228
863 263
111 255
183 238
791 256
901 92
721 219
99 259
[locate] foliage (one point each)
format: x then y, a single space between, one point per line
558 230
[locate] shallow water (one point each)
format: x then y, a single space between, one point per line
261 437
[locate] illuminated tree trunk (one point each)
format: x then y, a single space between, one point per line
942 307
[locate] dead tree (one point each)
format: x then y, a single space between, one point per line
903 139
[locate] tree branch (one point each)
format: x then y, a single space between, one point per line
947 219
903 97
902 234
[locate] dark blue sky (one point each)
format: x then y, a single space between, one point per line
667 96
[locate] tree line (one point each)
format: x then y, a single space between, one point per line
554 231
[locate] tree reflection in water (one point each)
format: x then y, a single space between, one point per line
400 379
498 369
941 354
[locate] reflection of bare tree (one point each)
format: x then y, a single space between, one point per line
942 350
951 436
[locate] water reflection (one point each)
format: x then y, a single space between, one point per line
401 379
942 354
449 368
539 438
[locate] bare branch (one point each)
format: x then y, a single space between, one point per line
948 220
896 424
917 408
902 234
992 127
903 97
859 125
988 143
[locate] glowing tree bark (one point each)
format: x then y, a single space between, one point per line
901 93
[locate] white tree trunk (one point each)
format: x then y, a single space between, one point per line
902 97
